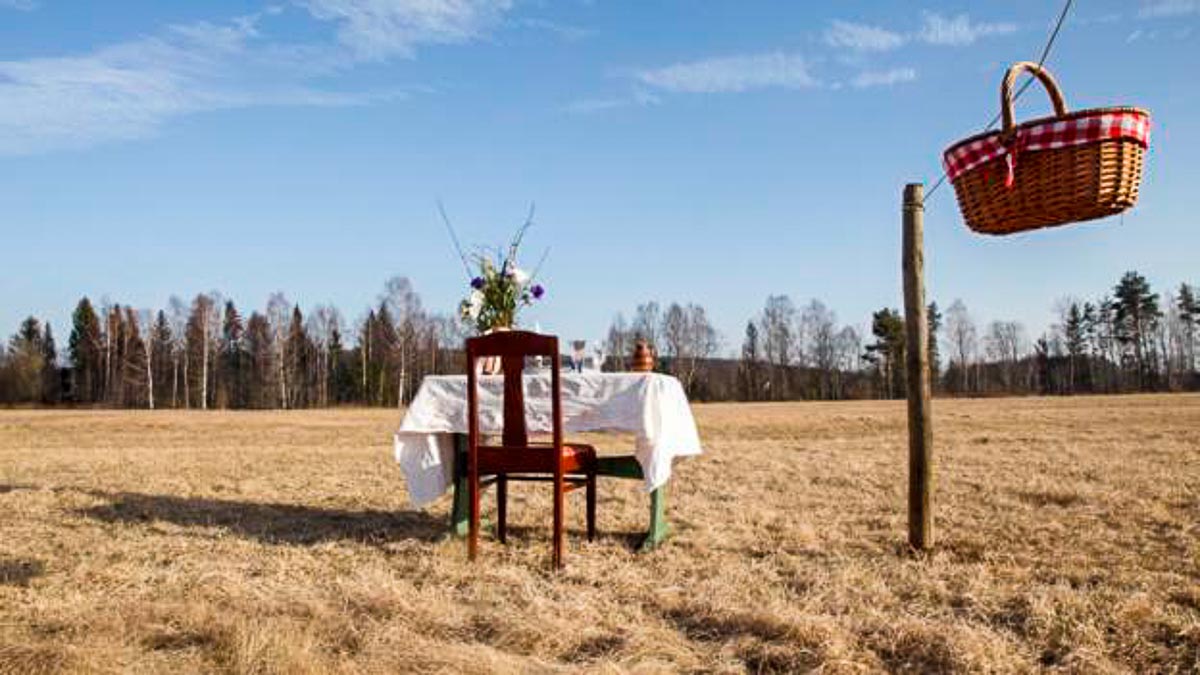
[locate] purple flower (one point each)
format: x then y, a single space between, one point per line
537 291
477 283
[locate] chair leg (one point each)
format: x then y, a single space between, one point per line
591 505
473 526
502 508
558 520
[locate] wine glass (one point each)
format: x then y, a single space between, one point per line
578 351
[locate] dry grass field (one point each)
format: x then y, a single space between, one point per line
1069 538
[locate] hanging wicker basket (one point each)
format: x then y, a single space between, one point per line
1049 171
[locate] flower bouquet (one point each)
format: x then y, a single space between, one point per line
499 291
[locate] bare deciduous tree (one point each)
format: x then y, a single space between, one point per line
962 334
647 324
777 332
849 349
179 355
324 325
688 338
618 342
819 328
145 319
404 306
1005 343
279 314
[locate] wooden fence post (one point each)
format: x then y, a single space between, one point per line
920 423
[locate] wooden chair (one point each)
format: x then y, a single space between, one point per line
568 466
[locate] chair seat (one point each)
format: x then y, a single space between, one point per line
577 458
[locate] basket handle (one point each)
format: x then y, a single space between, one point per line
1010 78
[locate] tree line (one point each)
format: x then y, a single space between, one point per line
207 354
1130 339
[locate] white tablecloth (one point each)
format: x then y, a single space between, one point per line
652 406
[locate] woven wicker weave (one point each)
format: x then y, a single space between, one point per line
1053 186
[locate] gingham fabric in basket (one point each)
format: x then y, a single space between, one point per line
1077 129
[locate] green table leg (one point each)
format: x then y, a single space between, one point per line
460 512
659 529
627 467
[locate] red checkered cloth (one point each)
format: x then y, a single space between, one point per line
1086 126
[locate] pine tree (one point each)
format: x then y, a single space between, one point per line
339 372
383 342
1042 357
1091 332
162 361
25 362
136 377
51 379
750 364
1189 315
231 362
87 362
1137 314
29 334
114 340
261 369
1076 342
299 356
366 330
934 321
887 352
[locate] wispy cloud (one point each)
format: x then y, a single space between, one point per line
958 30
935 29
884 78
21 5
861 37
732 74
588 106
381 29
1168 8
561 30
1151 35
783 70
129 90
1110 17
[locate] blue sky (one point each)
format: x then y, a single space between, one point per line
708 151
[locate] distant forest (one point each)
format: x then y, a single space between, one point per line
207 354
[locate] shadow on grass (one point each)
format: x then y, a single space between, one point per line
1059 498
6 487
763 642
20 571
270 523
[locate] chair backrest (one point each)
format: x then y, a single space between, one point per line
512 348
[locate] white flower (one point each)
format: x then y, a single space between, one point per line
473 305
518 275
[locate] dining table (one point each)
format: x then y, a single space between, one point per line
431 444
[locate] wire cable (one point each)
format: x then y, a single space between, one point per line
1062 16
